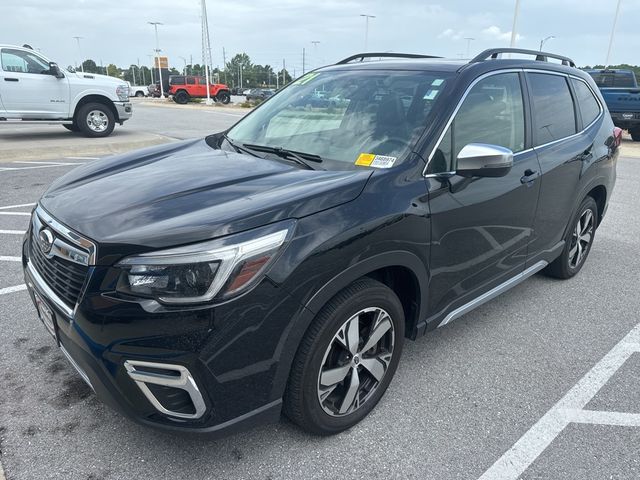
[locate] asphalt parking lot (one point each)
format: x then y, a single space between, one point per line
540 383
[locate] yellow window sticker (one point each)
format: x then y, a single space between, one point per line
377 161
365 159
306 78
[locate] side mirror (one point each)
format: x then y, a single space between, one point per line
55 70
482 160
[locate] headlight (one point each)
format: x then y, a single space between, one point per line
199 273
122 91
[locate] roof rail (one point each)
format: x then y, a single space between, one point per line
362 56
493 53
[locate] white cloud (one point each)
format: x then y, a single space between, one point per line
450 33
496 33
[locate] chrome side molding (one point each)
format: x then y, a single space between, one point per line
184 381
494 292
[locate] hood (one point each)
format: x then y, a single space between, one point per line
93 79
186 192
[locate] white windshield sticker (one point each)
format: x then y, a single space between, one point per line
431 94
437 82
383 161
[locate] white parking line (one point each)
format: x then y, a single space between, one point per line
9 207
4 258
21 214
569 408
17 288
5 169
82 158
12 232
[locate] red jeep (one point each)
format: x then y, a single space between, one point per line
184 87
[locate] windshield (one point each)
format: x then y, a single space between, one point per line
346 116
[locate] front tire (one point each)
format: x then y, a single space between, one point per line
346 359
72 128
139 94
181 97
578 242
95 120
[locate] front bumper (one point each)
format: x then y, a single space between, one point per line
125 111
215 353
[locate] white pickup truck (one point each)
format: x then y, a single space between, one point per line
34 89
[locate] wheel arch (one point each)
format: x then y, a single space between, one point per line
402 271
599 194
96 98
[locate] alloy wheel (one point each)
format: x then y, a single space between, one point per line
355 361
581 238
97 121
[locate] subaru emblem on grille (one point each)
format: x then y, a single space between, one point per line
45 238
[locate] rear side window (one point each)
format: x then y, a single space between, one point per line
589 106
176 80
553 111
191 81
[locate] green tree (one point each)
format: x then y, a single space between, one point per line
89 66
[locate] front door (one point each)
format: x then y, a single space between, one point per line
27 88
481 227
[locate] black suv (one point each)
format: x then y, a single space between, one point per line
208 285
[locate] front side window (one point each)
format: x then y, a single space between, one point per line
553 111
347 115
492 113
589 106
23 62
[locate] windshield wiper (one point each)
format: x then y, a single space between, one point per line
299 157
239 148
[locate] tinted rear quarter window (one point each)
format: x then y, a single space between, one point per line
589 106
176 80
553 111
613 79
191 81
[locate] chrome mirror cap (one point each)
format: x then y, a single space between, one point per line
484 160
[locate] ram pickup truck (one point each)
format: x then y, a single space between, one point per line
622 96
34 89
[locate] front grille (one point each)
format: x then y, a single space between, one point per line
65 278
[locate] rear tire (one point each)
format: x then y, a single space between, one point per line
139 94
95 120
347 359
223 97
181 97
635 135
578 242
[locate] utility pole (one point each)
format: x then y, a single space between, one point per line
224 61
469 40
366 29
303 61
141 72
206 47
284 73
515 24
155 26
613 31
80 53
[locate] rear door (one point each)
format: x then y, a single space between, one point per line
481 227
28 90
562 153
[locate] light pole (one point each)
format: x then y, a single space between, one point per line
366 29
613 30
155 26
544 40
515 24
80 53
315 50
469 40
184 72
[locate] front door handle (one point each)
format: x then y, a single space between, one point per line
7 79
529 176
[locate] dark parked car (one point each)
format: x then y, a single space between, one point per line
259 94
208 285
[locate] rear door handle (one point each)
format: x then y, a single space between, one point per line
7 79
529 176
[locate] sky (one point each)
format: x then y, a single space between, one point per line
271 31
